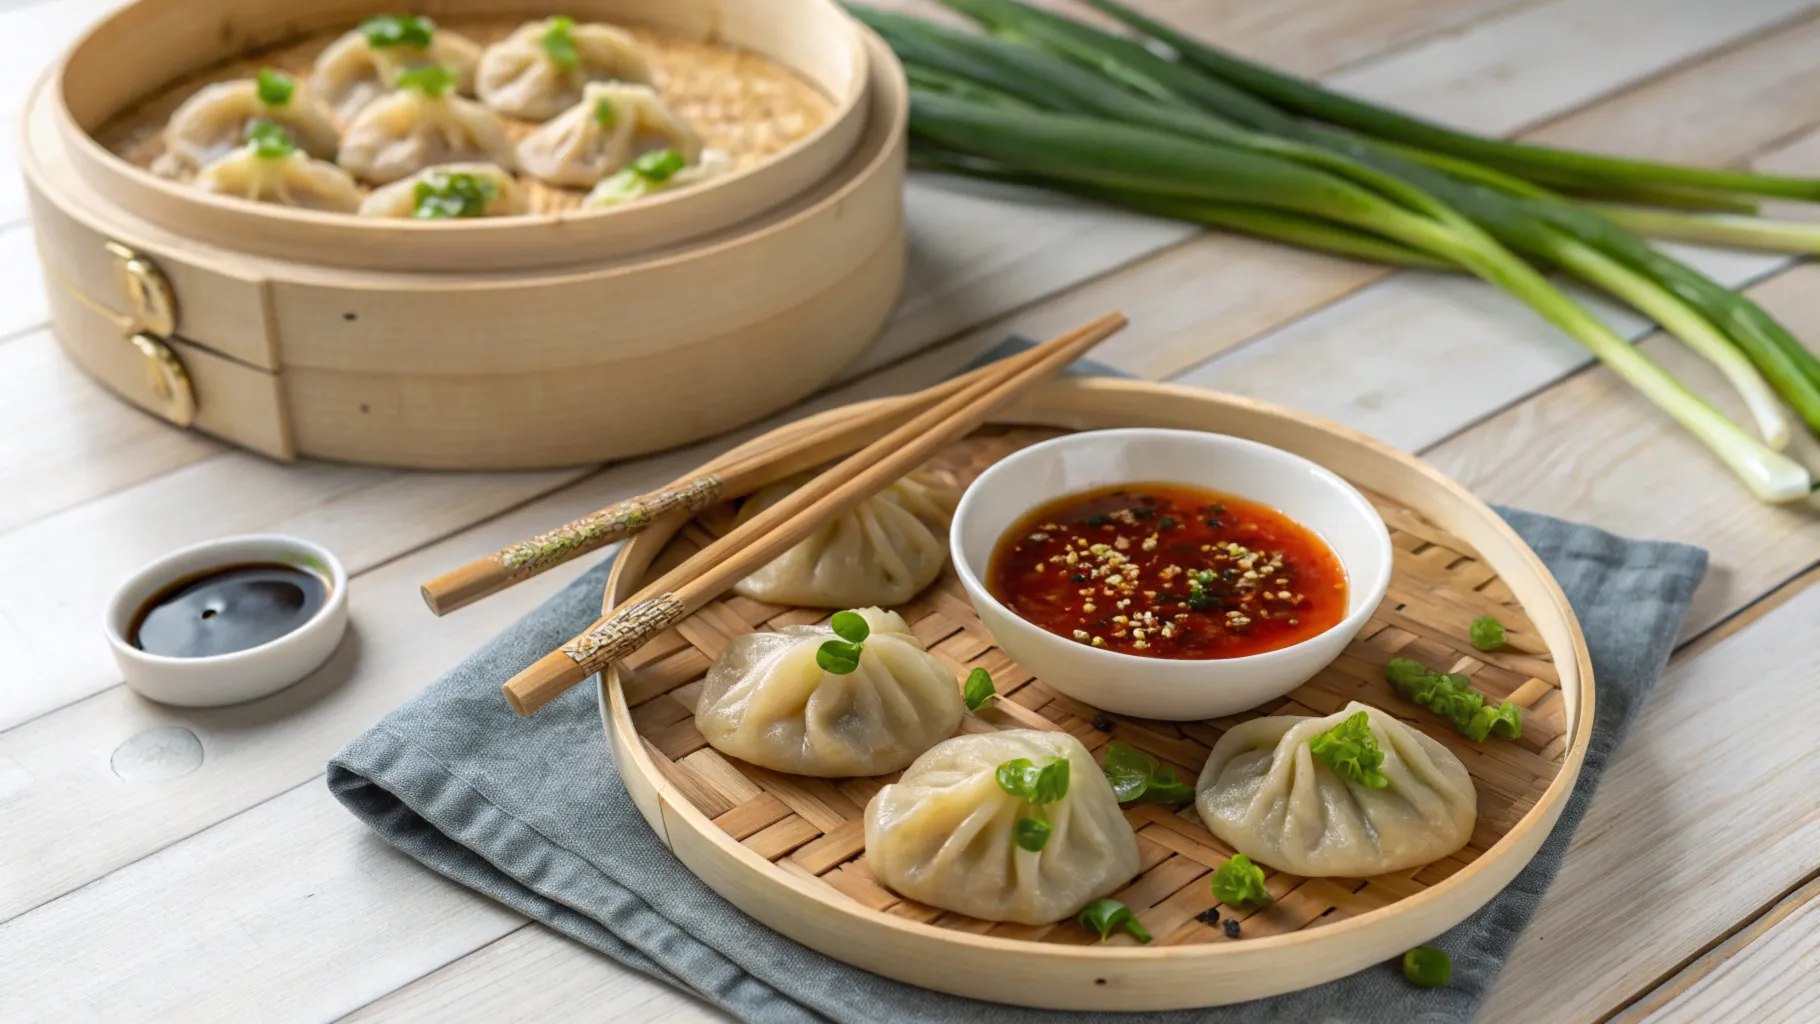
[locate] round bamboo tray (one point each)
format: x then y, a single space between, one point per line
143 47
790 850
485 370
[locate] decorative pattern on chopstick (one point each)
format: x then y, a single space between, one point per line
633 626
770 533
597 529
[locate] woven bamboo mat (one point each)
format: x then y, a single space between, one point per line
814 827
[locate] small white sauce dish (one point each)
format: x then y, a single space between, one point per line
241 675
1160 688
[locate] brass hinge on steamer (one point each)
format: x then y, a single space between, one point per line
150 322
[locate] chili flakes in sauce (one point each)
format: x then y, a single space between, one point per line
1169 571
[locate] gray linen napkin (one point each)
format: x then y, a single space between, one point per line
532 813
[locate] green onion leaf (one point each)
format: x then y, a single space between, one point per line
1103 916
1240 883
1138 777
604 114
838 657
1032 834
269 140
978 690
850 626
559 42
1351 750
659 164
386 30
431 79
1450 694
445 195
275 87
1487 633
1427 967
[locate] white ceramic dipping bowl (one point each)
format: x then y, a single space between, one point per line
242 675
1175 690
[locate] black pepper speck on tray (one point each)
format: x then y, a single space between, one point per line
1210 916
1102 723
1232 927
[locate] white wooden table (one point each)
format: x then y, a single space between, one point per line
144 876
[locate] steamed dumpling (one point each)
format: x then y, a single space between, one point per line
614 123
540 69
215 120
416 128
767 701
292 178
364 64
656 172
883 552
944 833
450 191
1266 794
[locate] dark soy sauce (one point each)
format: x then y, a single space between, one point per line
228 610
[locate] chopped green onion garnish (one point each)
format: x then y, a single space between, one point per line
604 114
412 30
444 195
1240 883
978 690
559 42
1031 834
1138 777
1487 633
270 141
431 79
1104 916
1351 750
1449 694
275 87
659 165
1427 967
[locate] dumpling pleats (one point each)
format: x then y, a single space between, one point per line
883 552
1264 792
944 833
767 701
410 130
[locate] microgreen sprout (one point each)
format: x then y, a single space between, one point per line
978 689
1138 777
841 657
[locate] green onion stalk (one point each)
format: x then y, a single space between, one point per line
1124 136
1561 168
1518 214
1794 369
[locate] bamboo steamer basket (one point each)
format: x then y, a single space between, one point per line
758 295
166 40
788 850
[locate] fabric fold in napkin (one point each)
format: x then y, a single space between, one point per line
532 813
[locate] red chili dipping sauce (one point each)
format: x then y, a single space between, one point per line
1168 571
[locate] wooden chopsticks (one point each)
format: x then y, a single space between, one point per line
721 479
770 533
